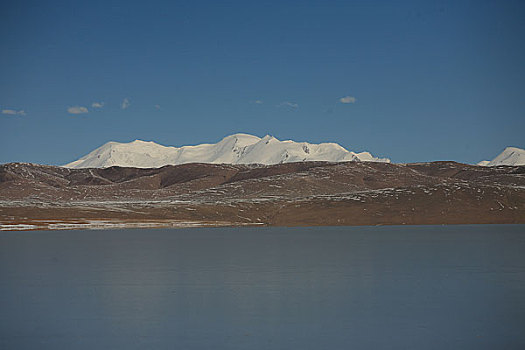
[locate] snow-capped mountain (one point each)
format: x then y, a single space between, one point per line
233 149
510 156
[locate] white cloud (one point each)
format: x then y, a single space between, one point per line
157 107
288 104
77 110
125 103
97 104
13 112
347 99
258 102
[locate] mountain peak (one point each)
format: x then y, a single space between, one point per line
268 138
509 156
240 138
141 142
513 149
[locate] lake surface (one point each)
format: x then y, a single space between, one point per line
432 287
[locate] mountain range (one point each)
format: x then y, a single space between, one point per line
233 149
241 149
247 180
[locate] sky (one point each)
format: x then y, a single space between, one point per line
409 80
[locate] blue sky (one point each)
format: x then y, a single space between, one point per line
423 80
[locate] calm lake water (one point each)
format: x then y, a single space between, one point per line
434 287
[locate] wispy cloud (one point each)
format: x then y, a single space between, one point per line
258 102
77 110
125 103
288 104
13 112
157 107
347 99
97 104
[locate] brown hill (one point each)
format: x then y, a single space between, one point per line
307 193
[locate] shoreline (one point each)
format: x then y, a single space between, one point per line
68 225
102 225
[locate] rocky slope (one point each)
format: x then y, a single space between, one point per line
301 193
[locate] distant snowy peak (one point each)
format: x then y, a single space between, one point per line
233 149
510 156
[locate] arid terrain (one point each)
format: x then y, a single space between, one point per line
292 194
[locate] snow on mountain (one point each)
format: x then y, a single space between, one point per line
233 149
510 156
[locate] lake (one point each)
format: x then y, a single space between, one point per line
390 287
